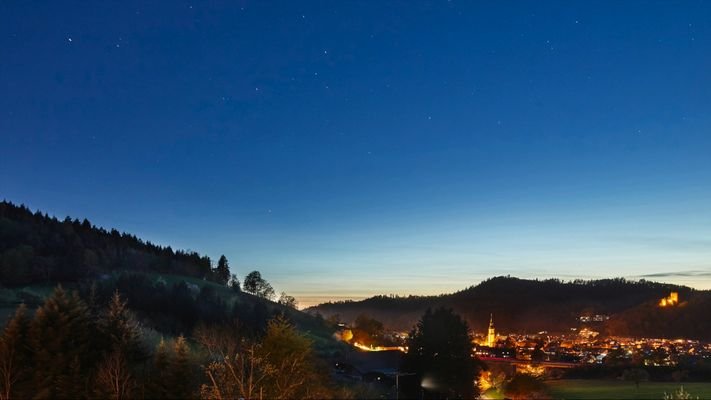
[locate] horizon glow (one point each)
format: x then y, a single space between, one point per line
351 150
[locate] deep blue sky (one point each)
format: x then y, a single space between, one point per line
352 148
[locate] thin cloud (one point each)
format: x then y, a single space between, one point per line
684 274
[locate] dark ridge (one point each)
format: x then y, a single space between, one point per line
37 248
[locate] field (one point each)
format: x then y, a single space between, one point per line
597 389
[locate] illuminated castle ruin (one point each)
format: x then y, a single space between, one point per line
671 300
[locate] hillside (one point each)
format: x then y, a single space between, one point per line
171 292
523 305
36 248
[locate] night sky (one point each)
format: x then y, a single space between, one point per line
347 149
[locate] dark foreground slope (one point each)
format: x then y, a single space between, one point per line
533 305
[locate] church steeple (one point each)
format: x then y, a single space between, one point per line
491 335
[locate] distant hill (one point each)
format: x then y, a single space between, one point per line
522 305
690 319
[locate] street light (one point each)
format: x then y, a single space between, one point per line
427 383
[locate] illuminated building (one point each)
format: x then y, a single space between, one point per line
671 300
491 334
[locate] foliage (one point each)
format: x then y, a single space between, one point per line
256 285
594 389
524 386
635 375
35 247
680 394
221 273
550 304
114 379
440 352
180 375
89 344
15 357
367 330
279 366
233 283
158 382
288 301
60 342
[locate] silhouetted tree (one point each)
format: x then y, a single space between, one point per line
59 338
15 357
222 271
524 386
158 382
635 375
538 355
180 374
281 366
288 301
440 353
36 248
256 285
121 330
113 378
234 283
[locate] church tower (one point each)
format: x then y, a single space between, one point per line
491 335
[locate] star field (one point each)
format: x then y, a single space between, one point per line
350 149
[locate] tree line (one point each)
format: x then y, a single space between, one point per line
550 304
37 248
75 346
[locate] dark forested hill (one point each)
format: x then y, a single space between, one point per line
87 308
534 305
171 291
37 248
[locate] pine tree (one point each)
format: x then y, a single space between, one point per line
59 339
234 283
15 357
180 373
222 271
440 347
120 329
157 387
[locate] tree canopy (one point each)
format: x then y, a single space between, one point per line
440 354
258 286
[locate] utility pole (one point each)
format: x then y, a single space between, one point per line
397 382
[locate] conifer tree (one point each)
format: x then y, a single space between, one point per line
180 373
120 329
15 357
157 387
222 271
59 339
